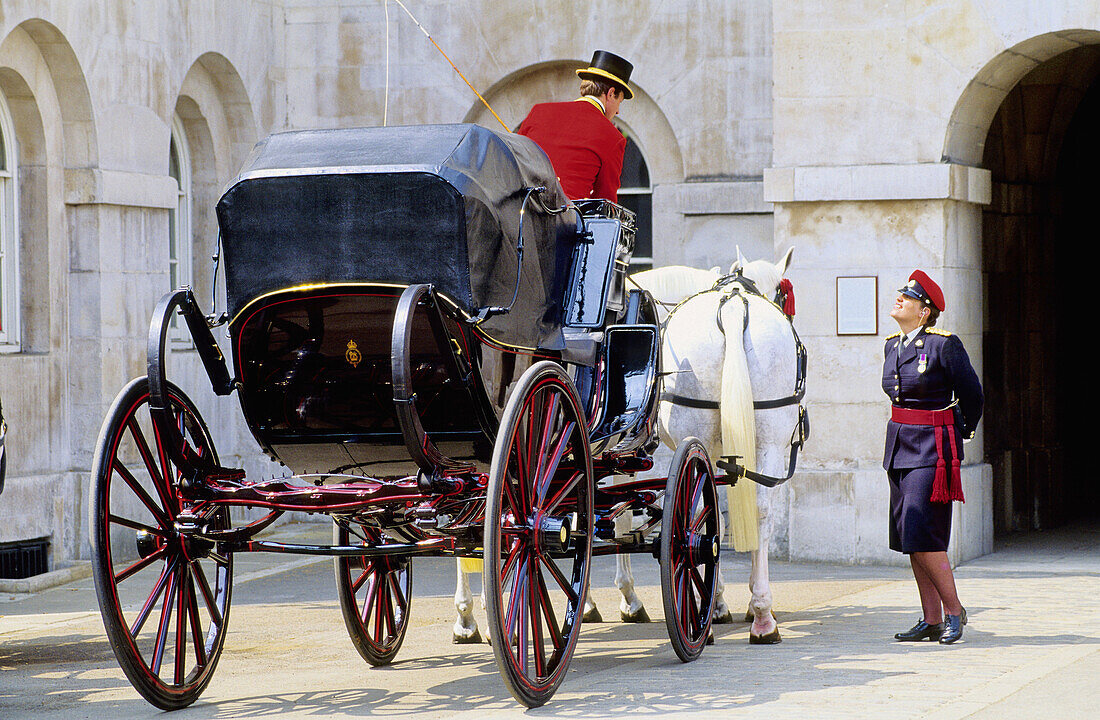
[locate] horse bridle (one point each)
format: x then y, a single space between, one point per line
801 432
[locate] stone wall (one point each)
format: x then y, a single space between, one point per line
853 131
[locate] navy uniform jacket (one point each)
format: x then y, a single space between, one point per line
947 375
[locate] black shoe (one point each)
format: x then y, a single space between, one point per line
953 628
921 631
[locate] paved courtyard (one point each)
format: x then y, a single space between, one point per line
1032 648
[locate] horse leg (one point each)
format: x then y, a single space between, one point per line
465 630
631 609
764 630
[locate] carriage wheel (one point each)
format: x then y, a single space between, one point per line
164 597
538 533
374 597
689 549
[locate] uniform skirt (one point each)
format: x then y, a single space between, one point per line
916 523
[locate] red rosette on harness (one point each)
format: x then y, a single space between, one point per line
786 292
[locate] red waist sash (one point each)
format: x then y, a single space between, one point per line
942 491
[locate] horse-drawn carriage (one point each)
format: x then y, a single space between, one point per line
443 353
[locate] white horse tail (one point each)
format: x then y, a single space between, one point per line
738 424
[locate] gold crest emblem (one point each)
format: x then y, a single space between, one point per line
352 355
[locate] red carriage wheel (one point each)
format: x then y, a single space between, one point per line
164 597
538 533
689 549
375 594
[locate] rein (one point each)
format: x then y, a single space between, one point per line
801 431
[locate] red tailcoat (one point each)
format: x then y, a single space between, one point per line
584 146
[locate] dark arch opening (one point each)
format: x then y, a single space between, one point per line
1042 151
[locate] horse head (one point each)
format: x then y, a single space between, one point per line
765 275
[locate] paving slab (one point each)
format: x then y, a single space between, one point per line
1032 648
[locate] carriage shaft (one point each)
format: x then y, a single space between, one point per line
434 546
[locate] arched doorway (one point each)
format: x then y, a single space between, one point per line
1042 151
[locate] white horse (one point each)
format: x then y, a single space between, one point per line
706 362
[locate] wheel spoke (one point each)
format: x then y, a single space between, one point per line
398 595
207 596
547 476
369 599
522 607
135 525
181 626
165 619
556 636
561 494
566 586
141 564
546 429
156 474
196 624
513 599
147 501
151 601
534 601
358 582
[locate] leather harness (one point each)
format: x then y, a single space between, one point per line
737 285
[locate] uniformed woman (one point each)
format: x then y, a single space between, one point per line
936 403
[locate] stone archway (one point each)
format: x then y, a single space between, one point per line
1035 134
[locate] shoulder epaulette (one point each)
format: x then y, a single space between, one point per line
937 331
891 337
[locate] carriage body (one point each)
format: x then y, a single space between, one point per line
443 353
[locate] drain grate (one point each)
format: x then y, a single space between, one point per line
23 558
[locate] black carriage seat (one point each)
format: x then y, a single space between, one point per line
600 262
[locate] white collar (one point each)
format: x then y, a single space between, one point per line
594 100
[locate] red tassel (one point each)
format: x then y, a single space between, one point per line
956 484
788 297
956 471
939 485
939 482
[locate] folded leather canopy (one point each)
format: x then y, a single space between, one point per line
433 204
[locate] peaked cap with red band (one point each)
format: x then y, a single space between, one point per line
921 287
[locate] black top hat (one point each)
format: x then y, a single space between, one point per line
609 66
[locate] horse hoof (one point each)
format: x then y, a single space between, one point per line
640 616
723 618
710 638
592 616
770 639
466 639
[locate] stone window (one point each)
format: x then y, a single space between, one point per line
636 193
179 220
9 235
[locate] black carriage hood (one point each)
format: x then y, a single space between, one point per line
433 204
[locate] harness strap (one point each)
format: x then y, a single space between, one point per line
945 487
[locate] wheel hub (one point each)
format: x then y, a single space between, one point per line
554 533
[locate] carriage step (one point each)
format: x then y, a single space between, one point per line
223 474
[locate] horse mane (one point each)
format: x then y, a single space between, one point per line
673 283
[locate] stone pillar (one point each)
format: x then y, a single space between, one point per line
118 225
880 221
